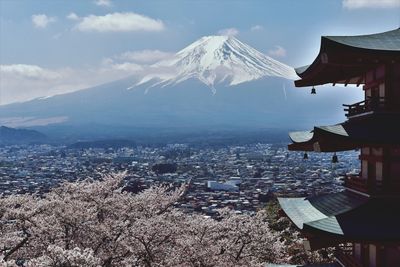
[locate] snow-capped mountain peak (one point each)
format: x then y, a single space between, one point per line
214 59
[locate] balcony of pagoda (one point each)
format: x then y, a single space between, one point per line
344 255
369 105
355 182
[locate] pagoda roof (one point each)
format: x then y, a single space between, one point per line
346 216
345 59
352 134
385 41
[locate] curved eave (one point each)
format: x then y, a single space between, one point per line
301 70
322 139
374 130
319 213
385 41
341 60
345 215
331 73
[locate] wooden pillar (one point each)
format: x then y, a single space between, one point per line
392 85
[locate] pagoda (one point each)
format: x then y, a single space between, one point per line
363 221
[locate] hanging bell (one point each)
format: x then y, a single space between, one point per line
305 156
313 91
335 158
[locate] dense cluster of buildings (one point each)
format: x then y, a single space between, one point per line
240 177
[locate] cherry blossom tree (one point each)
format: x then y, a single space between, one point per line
96 223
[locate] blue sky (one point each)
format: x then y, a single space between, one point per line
54 46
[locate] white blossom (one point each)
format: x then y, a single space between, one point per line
96 223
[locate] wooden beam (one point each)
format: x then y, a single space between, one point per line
360 80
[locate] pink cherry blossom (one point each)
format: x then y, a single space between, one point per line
96 223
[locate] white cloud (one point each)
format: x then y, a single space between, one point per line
29 71
278 51
106 3
357 4
229 32
107 61
256 28
120 22
23 82
42 20
72 16
145 56
109 64
127 67
30 121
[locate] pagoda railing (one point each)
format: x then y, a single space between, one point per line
368 105
344 254
355 182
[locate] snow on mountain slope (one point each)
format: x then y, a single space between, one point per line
215 59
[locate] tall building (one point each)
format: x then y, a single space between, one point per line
363 221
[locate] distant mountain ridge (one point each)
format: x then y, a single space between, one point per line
13 136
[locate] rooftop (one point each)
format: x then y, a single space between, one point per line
389 41
345 59
345 215
377 129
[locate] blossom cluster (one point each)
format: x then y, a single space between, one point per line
96 223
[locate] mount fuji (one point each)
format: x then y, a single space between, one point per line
215 82
216 59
